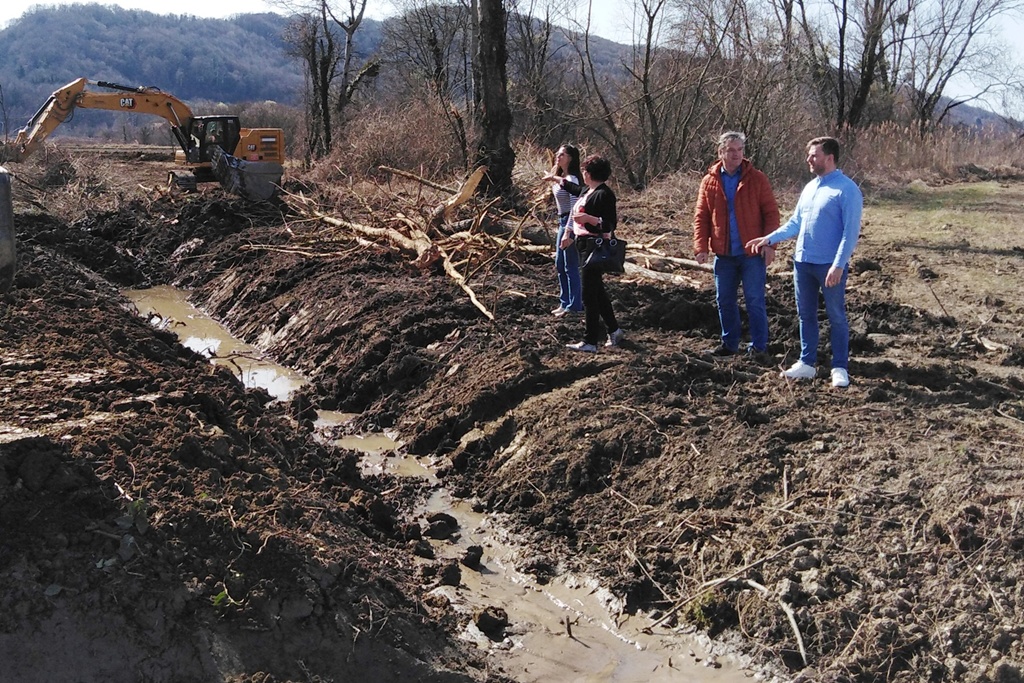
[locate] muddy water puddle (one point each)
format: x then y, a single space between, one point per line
168 308
568 629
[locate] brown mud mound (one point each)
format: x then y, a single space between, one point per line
160 522
867 534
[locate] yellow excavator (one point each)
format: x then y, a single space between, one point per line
246 161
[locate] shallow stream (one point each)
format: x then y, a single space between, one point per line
569 629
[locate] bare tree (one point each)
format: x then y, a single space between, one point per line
875 23
313 43
864 56
848 45
655 119
595 109
428 46
350 76
784 11
955 37
536 72
332 74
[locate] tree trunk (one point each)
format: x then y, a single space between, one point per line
494 117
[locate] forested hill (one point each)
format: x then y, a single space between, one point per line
244 58
202 61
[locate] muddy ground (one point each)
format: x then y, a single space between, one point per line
162 523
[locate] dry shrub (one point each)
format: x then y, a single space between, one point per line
668 195
666 206
84 196
890 154
71 185
412 138
532 162
60 172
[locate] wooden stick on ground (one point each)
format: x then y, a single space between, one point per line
461 282
632 269
683 262
715 582
444 210
790 614
418 179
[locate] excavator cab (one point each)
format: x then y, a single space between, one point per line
215 131
246 161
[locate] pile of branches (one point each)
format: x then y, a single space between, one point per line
463 248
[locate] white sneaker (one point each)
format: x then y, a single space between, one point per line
840 377
616 337
799 370
582 346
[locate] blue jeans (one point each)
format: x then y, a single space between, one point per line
808 280
730 272
567 263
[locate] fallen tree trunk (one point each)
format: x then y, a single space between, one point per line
689 264
633 269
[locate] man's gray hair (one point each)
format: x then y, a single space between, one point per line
727 137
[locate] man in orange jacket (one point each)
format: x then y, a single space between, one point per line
735 205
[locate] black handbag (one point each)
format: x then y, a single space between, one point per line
605 255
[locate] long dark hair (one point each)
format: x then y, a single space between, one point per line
574 163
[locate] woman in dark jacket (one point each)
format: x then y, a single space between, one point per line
594 216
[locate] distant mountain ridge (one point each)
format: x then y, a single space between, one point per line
240 59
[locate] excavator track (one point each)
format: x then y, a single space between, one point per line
182 180
8 255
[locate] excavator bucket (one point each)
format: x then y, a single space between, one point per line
254 180
8 257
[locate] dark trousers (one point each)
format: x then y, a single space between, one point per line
597 306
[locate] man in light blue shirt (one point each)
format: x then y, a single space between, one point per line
826 224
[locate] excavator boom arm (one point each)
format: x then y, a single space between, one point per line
64 101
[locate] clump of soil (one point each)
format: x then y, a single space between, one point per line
866 534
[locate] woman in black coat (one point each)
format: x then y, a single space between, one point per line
594 216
